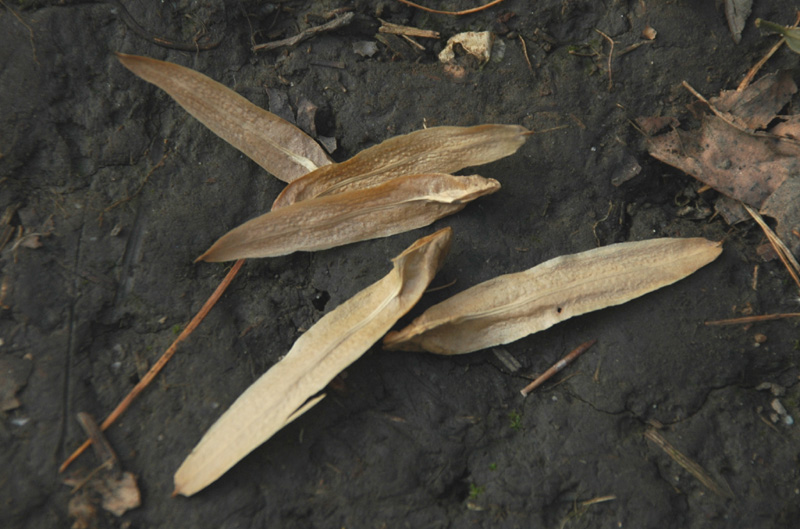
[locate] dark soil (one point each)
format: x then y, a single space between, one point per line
127 190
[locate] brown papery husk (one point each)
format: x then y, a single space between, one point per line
285 391
400 205
510 307
272 142
433 150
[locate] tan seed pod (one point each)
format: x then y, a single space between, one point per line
400 205
510 307
288 389
272 142
433 150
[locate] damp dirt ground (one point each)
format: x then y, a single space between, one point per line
125 190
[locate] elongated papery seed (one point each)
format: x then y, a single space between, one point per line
433 150
285 391
509 307
400 205
273 143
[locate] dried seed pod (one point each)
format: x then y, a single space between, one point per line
509 307
401 205
433 150
272 142
287 390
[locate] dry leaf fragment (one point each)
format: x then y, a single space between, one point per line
334 342
737 11
476 43
400 205
756 106
743 166
509 307
273 143
433 150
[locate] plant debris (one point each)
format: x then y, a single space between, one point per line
475 43
510 307
720 488
282 149
790 34
288 389
399 205
734 152
736 12
433 150
336 23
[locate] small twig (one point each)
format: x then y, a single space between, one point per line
755 278
634 46
720 115
102 449
610 53
558 366
599 499
757 66
442 287
693 468
457 13
753 319
30 31
396 29
525 53
786 256
121 201
305 34
145 381
139 30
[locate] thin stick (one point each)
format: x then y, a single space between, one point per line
465 12
610 53
150 375
693 468
754 319
30 31
525 53
757 66
783 252
558 366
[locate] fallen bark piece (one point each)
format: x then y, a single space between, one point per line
510 307
400 205
338 339
272 142
433 150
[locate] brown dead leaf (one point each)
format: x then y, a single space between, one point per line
433 150
784 206
736 12
731 154
397 206
741 165
273 143
509 307
755 107
286 391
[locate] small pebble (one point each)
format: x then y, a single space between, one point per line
778 407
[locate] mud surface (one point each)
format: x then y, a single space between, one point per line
125 190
